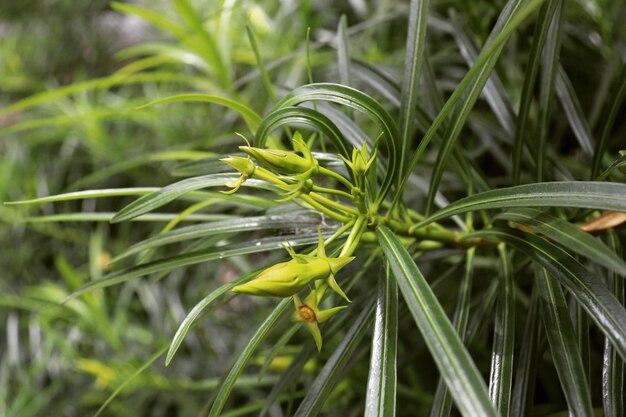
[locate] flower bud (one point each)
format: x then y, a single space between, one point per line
308 313
243 165
361 161
300 162
287 278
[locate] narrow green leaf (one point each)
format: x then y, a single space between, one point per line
594 195
277 348
104 83
573 111
343 52
501 375
130 379
242 360
525 370
568 235
171 192
289 377
277 222
142 191
481 61
265 78
493 90
301 115
335 367
612 365
198 309
450 355
380 399
415 43
619 163
472 93
612 113
442 403
563 345
157 19
192 258
589 290
530 77
80 195
108 216
252 119
206 45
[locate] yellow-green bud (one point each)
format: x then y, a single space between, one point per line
308 313
299 162
361 160
243 165
288 278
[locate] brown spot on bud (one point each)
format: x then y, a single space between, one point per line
307 314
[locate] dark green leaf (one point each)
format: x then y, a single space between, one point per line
602 306
563 345
568 235
501 376
452 358
594 195
380 399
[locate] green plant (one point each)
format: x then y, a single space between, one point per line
349 168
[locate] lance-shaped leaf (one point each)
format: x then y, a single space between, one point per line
590 194
568 235
171 192
589 290
193 258
380 399
563 345
450 355
237 368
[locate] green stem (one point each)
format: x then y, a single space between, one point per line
323 209
354 238
333 204
333 191
338 177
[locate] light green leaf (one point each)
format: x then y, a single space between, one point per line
524 385
252 119
465 383
573 111
415 45
442 403
198 309
301 115
380 399
192 258
171 192
568 235
240 224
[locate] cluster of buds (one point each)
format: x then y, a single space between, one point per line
296 170
287 279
